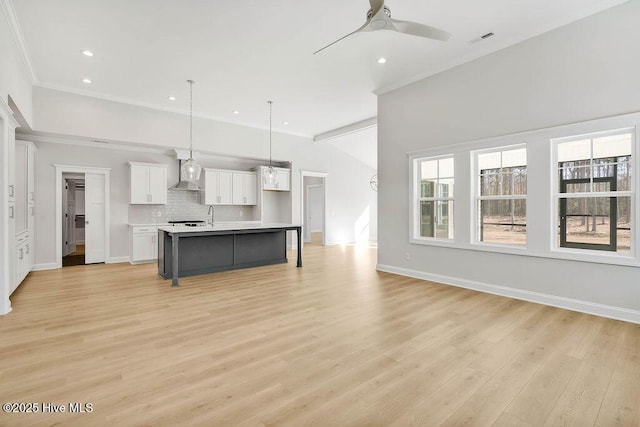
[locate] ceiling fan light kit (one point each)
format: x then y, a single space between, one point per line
379 18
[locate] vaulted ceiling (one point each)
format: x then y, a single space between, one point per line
242 53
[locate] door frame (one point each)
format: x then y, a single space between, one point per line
60 169
324 175
306 209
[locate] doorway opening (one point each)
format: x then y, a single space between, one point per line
82 215
313 204
73 220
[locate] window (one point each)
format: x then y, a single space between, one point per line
595 192
501 193
434 191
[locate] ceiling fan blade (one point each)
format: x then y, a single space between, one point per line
363 28
420 30
376 5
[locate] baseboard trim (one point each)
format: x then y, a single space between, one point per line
602 310
45 266
117 260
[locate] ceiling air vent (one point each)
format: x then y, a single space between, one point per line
481 38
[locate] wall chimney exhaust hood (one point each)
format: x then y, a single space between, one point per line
184 185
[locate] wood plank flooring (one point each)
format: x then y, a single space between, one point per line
334 343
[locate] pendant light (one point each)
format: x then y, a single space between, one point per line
270 175
190 169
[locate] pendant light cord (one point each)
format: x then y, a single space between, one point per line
270 123
191 82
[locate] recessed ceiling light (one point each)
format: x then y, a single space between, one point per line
382 60
236 112
87 53
172 98
87 81
285 123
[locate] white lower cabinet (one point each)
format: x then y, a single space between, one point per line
23 258
144 244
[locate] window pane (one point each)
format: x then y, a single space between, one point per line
489 161
436 219
489 183
624 176
574 150
444 219
445 187
428 188
429 169
520 181
503 221
612 146
446 168
587 223
512 158
427 219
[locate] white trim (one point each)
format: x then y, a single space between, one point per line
556 195
611 312
136 103
323 175
8 124
117 260
45 266
18 38
60 169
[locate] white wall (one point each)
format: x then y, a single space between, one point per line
14 77
586 70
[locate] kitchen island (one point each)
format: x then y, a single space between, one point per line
187 251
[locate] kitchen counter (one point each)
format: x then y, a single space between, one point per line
186 251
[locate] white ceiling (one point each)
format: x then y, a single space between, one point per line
242 53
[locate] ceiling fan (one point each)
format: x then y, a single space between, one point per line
379 18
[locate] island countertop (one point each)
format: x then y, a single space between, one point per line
181 229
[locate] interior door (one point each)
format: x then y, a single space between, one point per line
71 217
95 237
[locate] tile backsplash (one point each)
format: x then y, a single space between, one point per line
186 205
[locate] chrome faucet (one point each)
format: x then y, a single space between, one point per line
212 213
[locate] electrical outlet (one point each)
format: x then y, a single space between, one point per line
241 213
159 214
407 256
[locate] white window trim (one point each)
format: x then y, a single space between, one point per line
476 197
414 217
539 136
556 196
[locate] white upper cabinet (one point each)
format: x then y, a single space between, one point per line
245 188
282 180
218 187
148 183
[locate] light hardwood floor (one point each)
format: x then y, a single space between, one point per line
334 343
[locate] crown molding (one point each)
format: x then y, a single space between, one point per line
18 38
135 103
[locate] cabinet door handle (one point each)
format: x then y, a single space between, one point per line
27 246
12 190
21 253
33 209
32 196
12 210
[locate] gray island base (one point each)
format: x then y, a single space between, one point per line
188 251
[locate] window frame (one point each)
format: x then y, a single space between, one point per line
477 197
417 199
557 195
